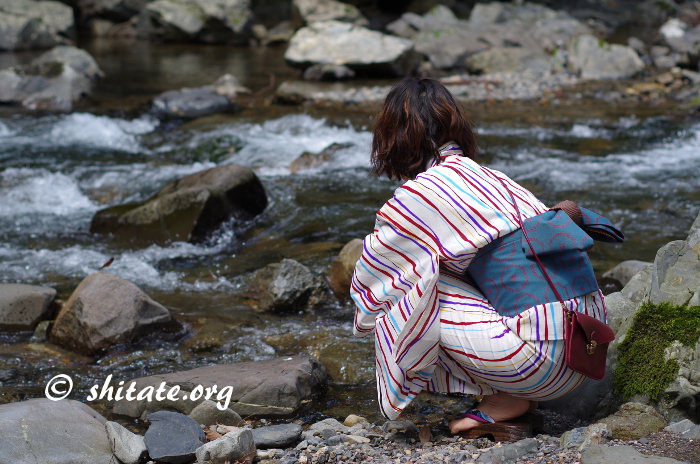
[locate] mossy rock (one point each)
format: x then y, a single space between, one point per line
643 367
634 421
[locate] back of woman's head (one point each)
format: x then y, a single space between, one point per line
418 117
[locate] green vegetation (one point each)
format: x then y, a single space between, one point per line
641 368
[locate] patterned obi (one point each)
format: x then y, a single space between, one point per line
511 280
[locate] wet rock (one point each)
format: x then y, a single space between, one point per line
280 33
26 24
210 21
594 59
349 361
287 286
510 453
624 271
23 306
173 437
340 273
583 438
509 59
623 454
679 427
634 421
53 81
45 431
309 11
208 413
190 103
277 436
308 160
232 447
328 72
105 310
128 447
275 387
364 51
187 209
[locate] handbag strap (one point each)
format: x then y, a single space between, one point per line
527 239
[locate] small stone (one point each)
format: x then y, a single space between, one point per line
128 447
277 436
230 448
352 420
680 427
173 437
356 440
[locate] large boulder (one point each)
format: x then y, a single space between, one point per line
287 286
210 21
187 209
309 11
34 24
595 59
52 432
53 81
364 51
105 310
275 388
24 306
509 59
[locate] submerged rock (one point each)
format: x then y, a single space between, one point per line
173 438
45 431
26 24
201 101
274 387
53 81
105 310
187 209
287 286
364 51
210 21
23 306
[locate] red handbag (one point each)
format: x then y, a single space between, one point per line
586 339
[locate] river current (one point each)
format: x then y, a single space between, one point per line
640 168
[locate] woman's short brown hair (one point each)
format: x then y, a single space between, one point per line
418 117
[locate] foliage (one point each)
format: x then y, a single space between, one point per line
641 368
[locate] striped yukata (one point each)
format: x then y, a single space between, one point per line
435 332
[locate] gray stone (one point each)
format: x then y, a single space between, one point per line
232 447
694 233
280 33
637 44
23 306
680 426
287 286
173 437
309 11
510 453
128 447
509 59
210 21
53 81
52 432
449 47
620 310
595 59
634 421
488 13
190 103
33 24
623 454
277 436
558 33
402 28
692 434
187 209
676 274
328 72
105 310
331 424
364 51
583 438
275 387
624 271
208 413
117 10
639 286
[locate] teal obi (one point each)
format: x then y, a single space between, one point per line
511 280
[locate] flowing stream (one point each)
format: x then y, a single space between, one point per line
638 167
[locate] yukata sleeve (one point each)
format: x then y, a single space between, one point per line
395 281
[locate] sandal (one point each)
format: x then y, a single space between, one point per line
505 431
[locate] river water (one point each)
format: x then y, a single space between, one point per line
636 165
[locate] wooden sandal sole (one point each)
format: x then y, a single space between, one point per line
512 430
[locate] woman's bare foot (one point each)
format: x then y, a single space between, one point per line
500 406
